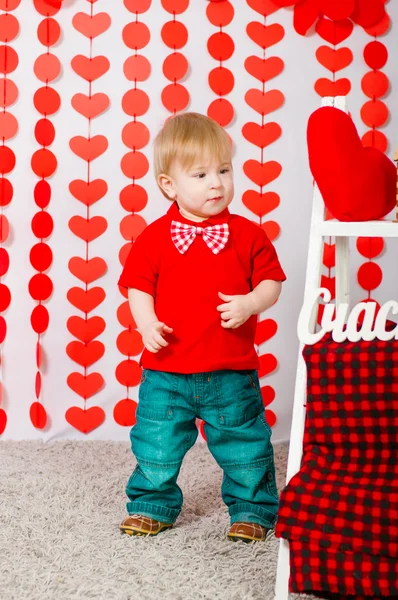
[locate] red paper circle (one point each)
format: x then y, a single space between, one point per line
47 67
374 113
175 97
40 319
8 92
7 159
136 35
134 165
124 315
375 139
48 32
42 193
37 412
6 191
221 81
8 5
137 6
9 27
175 6
3 333
129 343
222 111
135 102
4 261
47 9
337 9
369 276
4 228
8 125
124 412
380 28
40 287
131 226
44 132
133 198
8 59
375 55
220 46
137 67
174 34
135 135
375 84
220 14
370 247
175 66
5 297
42 224
44 163
128 373
47 101
41 256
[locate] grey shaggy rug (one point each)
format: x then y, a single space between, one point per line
60 508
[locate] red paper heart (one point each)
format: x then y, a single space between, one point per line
85 386
88 149
268 364
90 106
272 229
86 192
3 420
330 284
326 87
88 229
265 35
266 329
262 173
357 183
334 59
85 354
264 103
38 415
86 330
260 204
264 7
90 68
85 420
264 69
334 32
87 270
261 136
91 25
268 395
329 255
86 300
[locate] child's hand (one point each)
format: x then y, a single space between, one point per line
152 336
235 311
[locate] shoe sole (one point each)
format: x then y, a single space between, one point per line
142 532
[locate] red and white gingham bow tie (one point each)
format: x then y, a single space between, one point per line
215 236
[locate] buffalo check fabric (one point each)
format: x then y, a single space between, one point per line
340 511
215 236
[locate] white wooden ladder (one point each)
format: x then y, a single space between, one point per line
319 230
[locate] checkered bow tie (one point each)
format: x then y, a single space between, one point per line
215 236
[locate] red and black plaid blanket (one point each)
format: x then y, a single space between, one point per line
340 511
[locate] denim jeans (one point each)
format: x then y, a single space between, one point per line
237 433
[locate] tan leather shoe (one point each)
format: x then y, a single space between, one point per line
248 532
140 525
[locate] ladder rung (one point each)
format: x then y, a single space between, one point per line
382 228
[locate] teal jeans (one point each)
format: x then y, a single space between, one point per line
238 437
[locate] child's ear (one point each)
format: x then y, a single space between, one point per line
167 185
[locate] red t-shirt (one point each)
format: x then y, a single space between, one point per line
185 290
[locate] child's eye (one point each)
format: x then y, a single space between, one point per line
226 170
200 175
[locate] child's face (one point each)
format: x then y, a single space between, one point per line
195 188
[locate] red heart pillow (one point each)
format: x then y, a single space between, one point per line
356 183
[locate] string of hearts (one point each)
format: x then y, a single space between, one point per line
87 350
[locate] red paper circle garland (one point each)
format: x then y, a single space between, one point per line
221 47
262 135
133 198
175 97
8 129
374 114
87 350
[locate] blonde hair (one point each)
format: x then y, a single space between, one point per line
185 137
